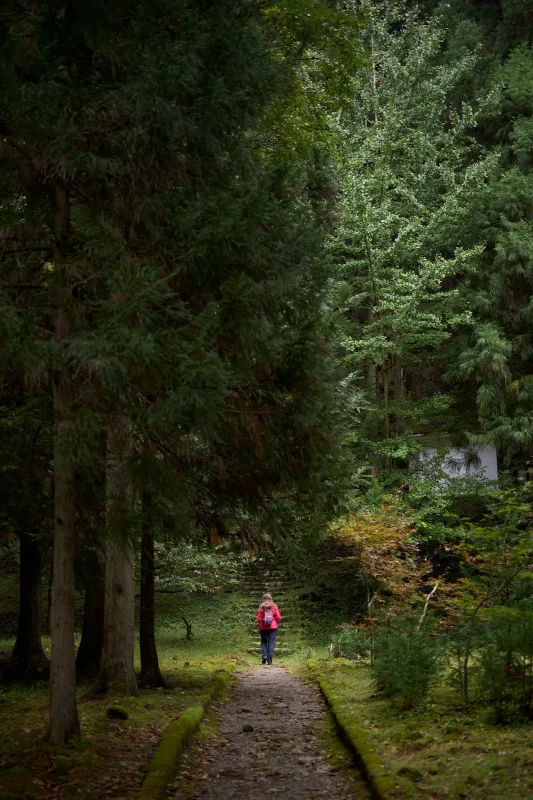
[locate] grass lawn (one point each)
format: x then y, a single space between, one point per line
440 749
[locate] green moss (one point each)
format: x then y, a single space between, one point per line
172 743
382 784
438 749
24 717
16 770
174 740
116 712
412 773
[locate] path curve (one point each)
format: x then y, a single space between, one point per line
269 741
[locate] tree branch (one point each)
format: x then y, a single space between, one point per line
426 604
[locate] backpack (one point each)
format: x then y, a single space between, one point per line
268 617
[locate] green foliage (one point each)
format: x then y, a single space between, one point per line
441 507
25 453
408 181
506 659
447 745
407 661
187 568
351 643
196 279
497 565
495 355
384 556
207 151
319 44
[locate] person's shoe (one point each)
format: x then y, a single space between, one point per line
264 661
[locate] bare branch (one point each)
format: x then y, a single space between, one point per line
426 604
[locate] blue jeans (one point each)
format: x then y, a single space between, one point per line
268 640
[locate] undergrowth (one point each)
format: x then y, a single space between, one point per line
111 758
438 749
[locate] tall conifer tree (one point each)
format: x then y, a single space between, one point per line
497 353
408 182
185 278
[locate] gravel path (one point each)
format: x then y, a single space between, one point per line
273 737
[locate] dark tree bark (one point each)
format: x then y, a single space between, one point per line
92 635
117 674
188 628
150 672
49 593
64 722
28 652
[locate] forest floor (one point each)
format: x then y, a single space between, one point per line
109 762
274 737
440 749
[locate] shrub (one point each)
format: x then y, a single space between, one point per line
406 661
351 643
506 660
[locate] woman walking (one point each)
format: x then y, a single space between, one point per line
268 617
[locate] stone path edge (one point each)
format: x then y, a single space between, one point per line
175 739
381 785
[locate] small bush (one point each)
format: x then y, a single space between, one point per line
351 643
406 661
505 714
505 676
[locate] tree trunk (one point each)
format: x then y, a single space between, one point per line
92 636
386 419
116 670
49 593
64 723
372 382
150 673
28 652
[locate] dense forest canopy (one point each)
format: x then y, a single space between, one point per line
252 255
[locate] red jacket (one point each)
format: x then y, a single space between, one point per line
276 618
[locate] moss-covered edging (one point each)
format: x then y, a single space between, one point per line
382 786
174 740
